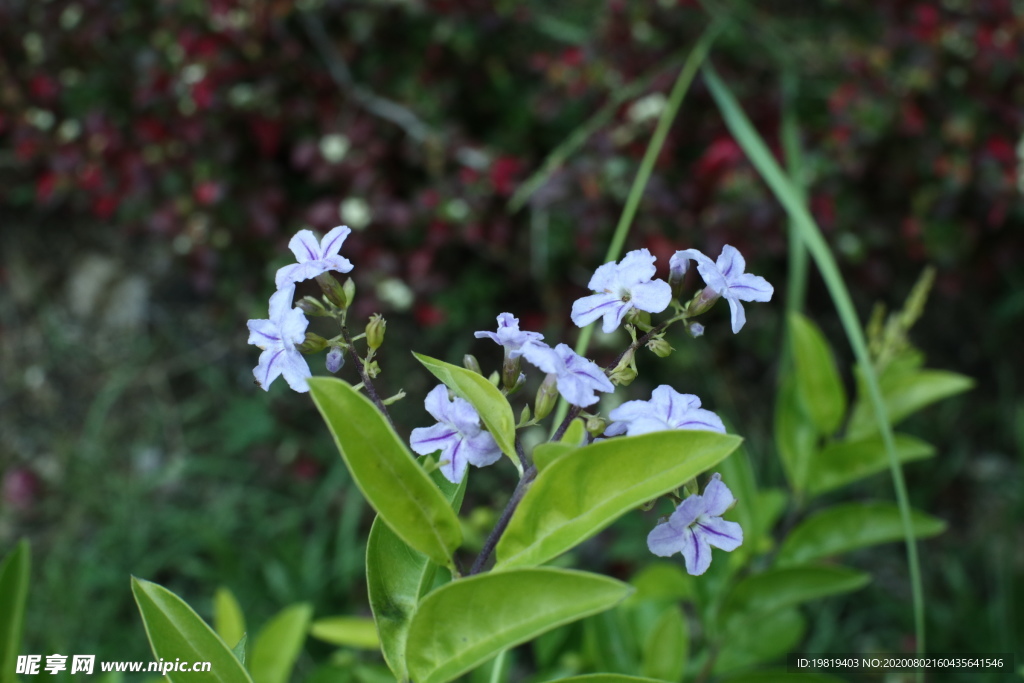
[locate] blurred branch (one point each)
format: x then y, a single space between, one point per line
381 107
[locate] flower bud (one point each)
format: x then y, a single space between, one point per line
520 381
375 331
676 274
372 369
695 330
641 319
332 289
470 362
335 359
510 372
312 344
660 347
596 425
623 376
547 396
311 306
702 302
349 288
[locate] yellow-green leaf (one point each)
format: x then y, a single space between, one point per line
358 632
14 572
387 474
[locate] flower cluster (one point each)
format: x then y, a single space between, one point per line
624 294
281 336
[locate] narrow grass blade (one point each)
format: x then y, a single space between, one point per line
790 197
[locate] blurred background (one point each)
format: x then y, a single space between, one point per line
155 158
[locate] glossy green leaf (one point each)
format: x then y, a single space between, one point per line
464 623
546 453
239 649
488 400
396 577
777 589
818 386
905 394
796 437
384 470
175 631
666 647
279 643
764 639
357 632
845 462
228 618
583 492
771 503
575 433
850 526
14 571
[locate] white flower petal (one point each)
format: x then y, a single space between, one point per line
717 496
653 296
696 553
304 246
636 266
589 308
721 534
332 241
731 262
750 287
426 440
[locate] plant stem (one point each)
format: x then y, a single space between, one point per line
492 540
643 174
367 382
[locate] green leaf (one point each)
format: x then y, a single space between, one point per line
13 597
396 577
576 433
739 476
780 676
818 386
175 631
279 643
778 589
666 647
228 618
795 435
488 400
239 649
843 528
905 394
764 639
384 470
845 462
583 492
464 623
662 580
357 632
546 453
606 678
608 643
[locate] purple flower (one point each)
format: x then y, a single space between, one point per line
577 378
509 335
314 259
457 434
696 526
278 338
667 409
726 278
620 287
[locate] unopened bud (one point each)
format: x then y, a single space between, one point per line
332 289
510 372
312 344
660 347
623 376
596 425
547 396
375 331
349 288
701 302
641 319
335 359
676 274
695 330
311 306
470 362
372 369
520 381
